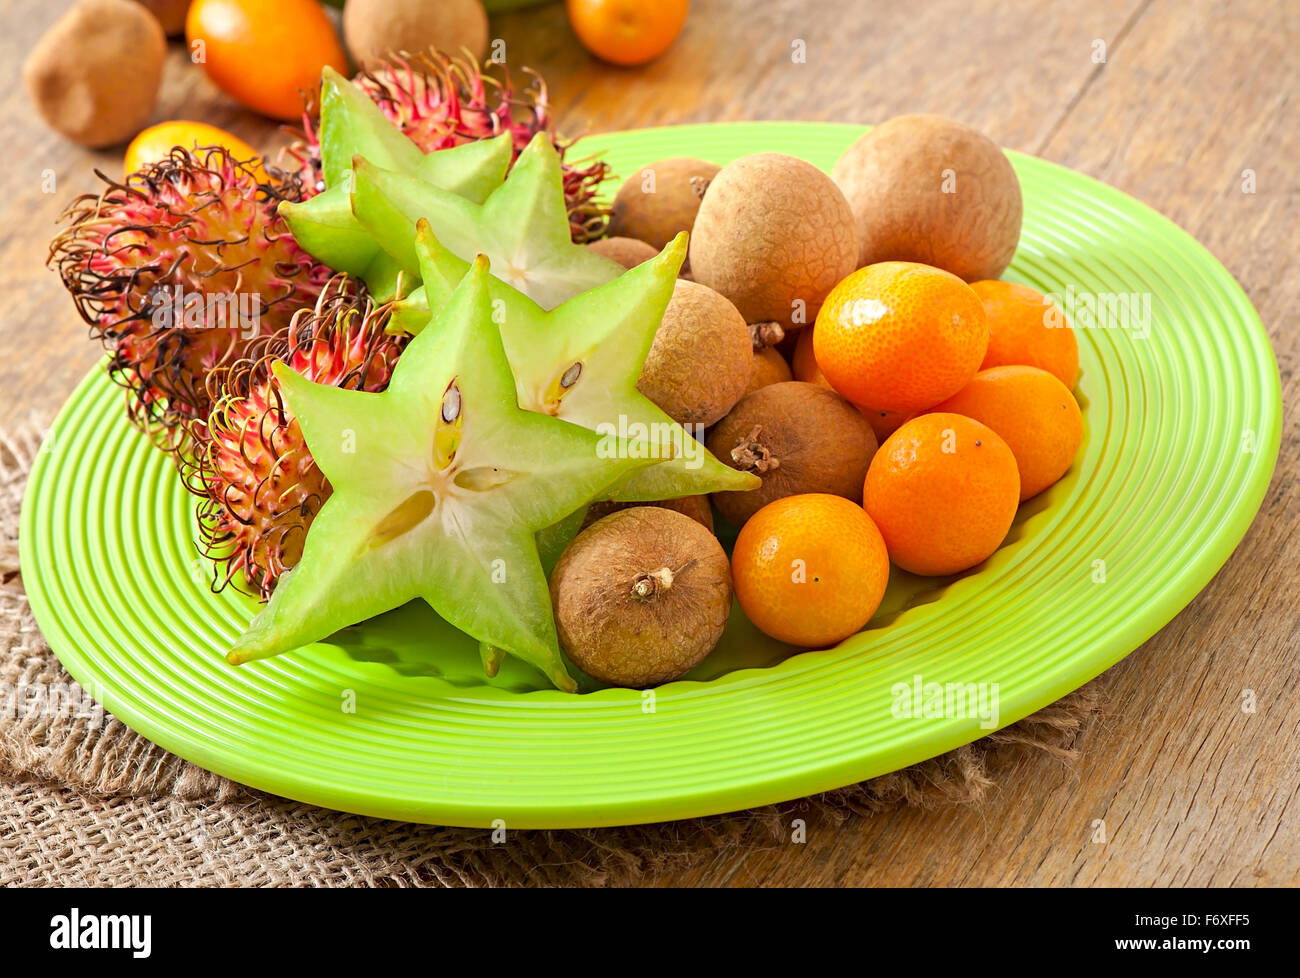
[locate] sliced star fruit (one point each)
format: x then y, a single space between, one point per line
351 124
551 542
581 361
440 485
522 226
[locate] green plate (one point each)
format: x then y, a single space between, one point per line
393 718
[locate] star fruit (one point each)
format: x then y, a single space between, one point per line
581 361
440 483
351 124
522 226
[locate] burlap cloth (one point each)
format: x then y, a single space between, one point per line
92 803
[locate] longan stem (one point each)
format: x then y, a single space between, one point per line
751 455
647 586
765 334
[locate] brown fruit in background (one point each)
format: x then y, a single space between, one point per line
641 596
769 368
696 507
895 179
628 252
94 74
372 29
170 14
657 215
701 357
774 235
798 438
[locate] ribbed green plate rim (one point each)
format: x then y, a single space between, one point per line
1183 432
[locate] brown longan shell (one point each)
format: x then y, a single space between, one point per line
628 252
658 217
774 235
894 180
701 357
95 73
696 507
619 638
374 30
822 442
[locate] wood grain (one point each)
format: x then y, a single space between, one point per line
1192 790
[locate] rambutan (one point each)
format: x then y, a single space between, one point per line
259 486
177 269
441 101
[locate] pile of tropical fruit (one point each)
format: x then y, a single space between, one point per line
901 400
408 359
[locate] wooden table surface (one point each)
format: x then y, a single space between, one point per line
1191 94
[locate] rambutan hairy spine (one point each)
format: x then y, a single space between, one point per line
440 101
258 484
196 227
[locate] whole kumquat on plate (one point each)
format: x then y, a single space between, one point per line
810 569
1026 328
943 489
900 336
1035 415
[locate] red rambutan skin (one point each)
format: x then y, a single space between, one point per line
199 221
441 101
259 484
